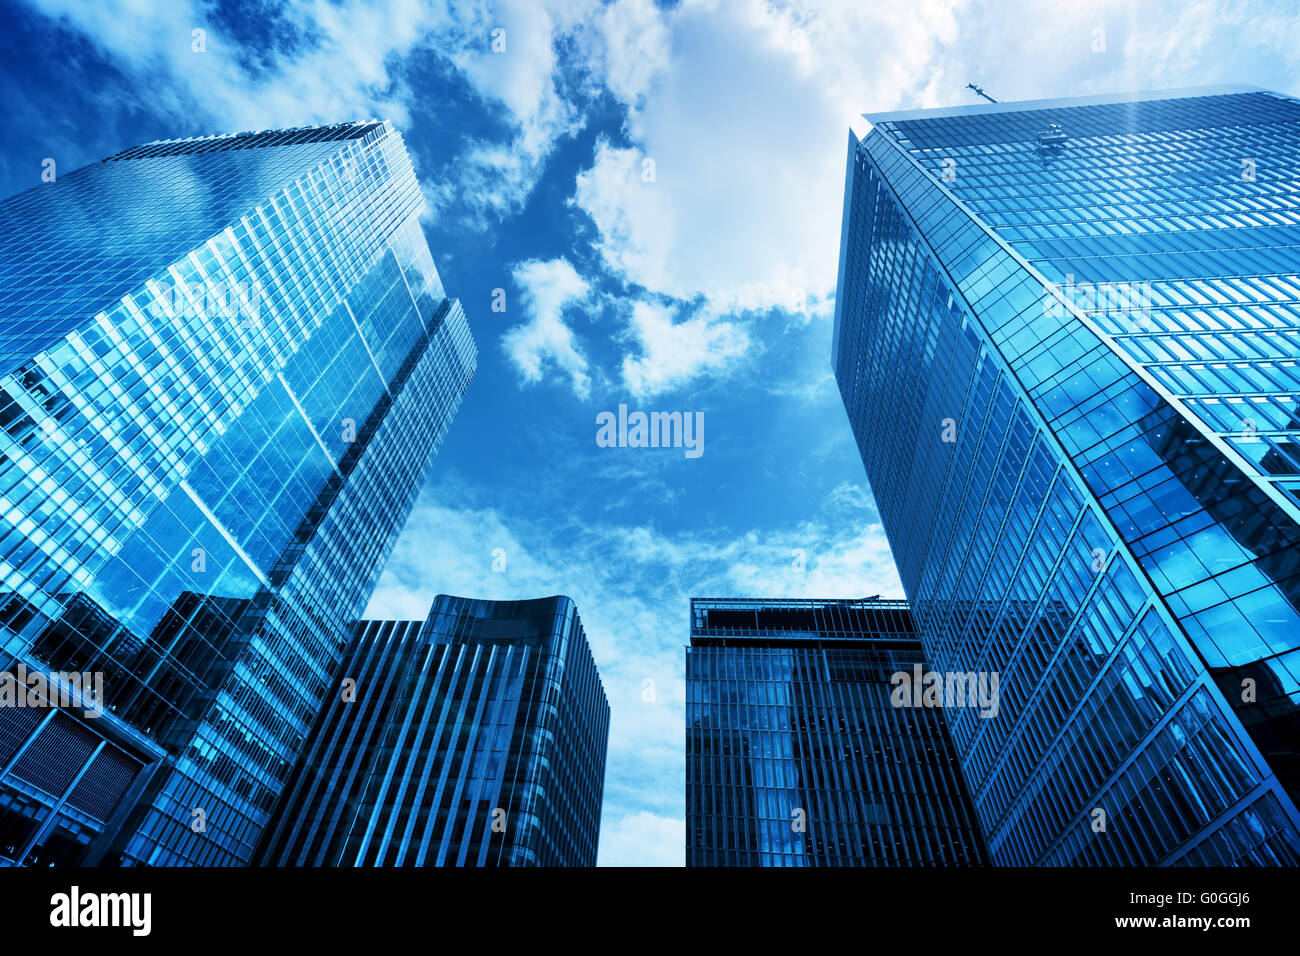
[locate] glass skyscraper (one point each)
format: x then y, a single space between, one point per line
228 364
798 750
1066 336
476 737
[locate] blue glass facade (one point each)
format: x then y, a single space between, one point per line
797 752
1067 338
474 738
228 365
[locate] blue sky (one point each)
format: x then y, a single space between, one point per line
705 288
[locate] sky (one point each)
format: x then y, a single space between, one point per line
650 194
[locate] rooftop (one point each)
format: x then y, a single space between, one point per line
1101 99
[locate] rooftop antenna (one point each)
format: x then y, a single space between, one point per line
980 91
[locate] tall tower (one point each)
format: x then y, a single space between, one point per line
800 751
476 737
1066 337
228 363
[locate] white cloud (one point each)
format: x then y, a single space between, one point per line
492 181
643 839
547 289
633 48
815 565
671 353
517 67
635 220
745 117
439 198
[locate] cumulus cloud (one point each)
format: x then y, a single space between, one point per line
547 290
670 353
631 49
631 212
508 52
643 839
745 116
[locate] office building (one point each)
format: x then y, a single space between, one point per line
1067 337
228 363
476 737
800 750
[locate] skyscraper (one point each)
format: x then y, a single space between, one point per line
476 737
798 750
228 365
1066 337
